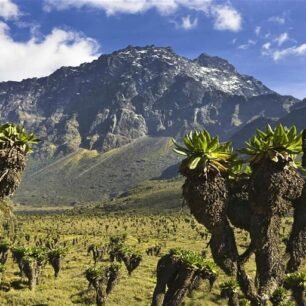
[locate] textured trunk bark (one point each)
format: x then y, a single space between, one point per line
233 300
269 266
178 289
12 165
273 189
208 200
166 271
100 297
296 246
223 248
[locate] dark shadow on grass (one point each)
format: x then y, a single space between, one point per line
85 297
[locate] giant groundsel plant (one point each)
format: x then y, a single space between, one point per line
255 194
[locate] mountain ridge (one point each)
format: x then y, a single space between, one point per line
133 92
123 98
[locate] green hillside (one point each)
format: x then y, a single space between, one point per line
87 176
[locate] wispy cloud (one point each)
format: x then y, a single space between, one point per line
187 23
40 57
129 6
257 30
292 51
246 46
277 19
266 46
282 38
225 17
8 10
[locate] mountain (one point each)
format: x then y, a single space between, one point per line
135 92
129 95
295 117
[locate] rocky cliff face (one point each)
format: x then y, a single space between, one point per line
135 92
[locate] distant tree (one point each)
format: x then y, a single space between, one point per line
4 250
103 280
55 258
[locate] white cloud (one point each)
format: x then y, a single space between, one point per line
226 18
292 51
40 57
282 38
129 6
8 10
277 19
266 46
187 23
266 49
246 46
257 30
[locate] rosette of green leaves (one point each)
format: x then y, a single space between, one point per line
57 252
195 260
229 287
100 272
294 280
13 135
4 245
279 295
280 144
239 170
204 153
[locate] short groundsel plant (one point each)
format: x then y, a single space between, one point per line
280 145
203 154
194 259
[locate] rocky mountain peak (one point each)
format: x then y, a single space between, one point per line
216 62
133 92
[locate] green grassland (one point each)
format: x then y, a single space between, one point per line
149 214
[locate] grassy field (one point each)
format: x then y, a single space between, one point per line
149 214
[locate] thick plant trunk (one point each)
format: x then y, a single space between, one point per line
100 297
223 247
165 272
4 256
112 281
56 263
272 190
239 211
247 286
269 265
30 269
208 200
233 300
178 289
296 246
12 165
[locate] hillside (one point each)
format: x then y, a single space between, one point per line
87 175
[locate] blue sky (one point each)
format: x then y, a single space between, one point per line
263 38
